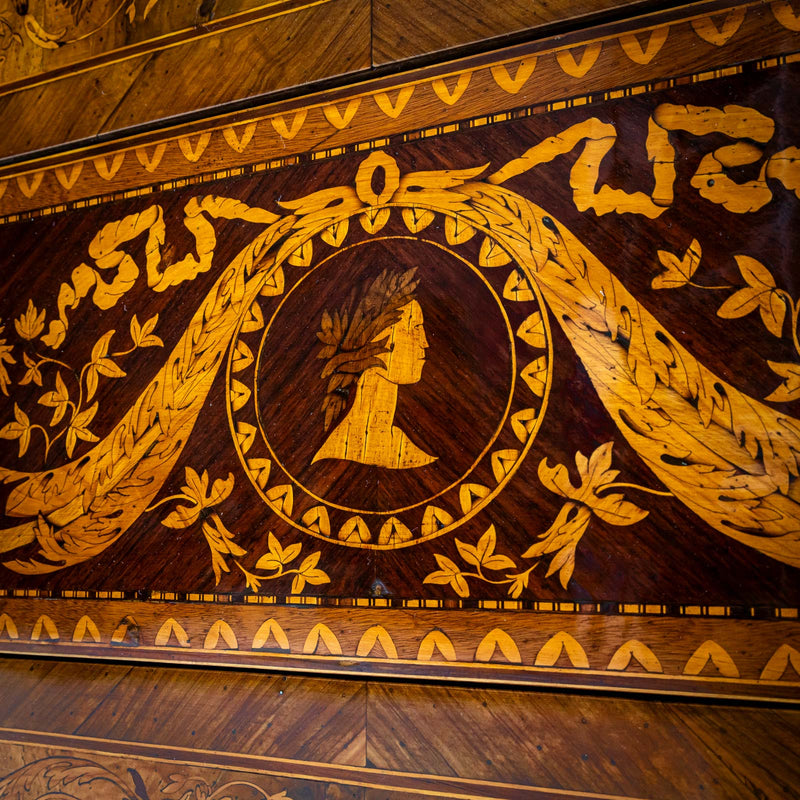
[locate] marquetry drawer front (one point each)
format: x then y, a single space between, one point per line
489 374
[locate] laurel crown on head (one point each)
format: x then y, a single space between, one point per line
349 335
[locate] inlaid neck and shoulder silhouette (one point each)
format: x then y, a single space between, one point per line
378 342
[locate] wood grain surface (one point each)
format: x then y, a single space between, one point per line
153 727
407 28
44 39
218 63
619 748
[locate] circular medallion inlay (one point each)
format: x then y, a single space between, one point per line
381 395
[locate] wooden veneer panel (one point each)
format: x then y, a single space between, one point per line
328 738
582 743
657 51
145 84
408 28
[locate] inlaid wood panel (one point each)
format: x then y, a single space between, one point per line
250 713
508 398
631 651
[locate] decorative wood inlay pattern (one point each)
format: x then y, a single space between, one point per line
402 403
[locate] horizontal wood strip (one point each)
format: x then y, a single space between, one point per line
627 653
413 739
396 105
254 714
402 783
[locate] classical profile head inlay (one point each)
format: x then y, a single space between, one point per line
371 347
